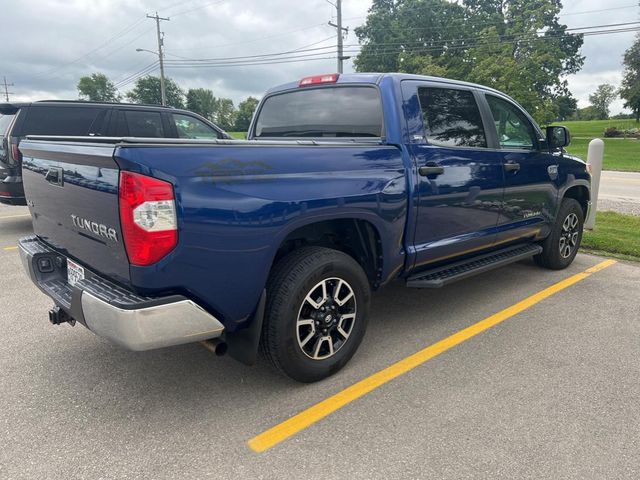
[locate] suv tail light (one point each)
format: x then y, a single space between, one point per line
148 218
16 155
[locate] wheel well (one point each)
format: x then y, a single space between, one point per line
581 194
355 237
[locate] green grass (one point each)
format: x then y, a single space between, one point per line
615 235
238 135
619 153
595 128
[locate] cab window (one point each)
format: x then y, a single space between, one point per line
451 117
514 129
191 127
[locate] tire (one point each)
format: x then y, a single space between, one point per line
561 246
299 338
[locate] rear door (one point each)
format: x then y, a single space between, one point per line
141 123
72 192
531 172
460 180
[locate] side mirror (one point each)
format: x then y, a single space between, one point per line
558 137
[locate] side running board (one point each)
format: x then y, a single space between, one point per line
441 276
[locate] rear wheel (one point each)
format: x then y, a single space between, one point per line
316 315
561 246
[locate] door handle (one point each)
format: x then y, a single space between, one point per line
511 167
54 176
431 168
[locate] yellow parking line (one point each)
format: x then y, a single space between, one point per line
10 248
16 216
320 410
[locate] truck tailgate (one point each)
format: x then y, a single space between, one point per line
72 192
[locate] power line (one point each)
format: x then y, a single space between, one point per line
267 62
197 8
561 14
268 37
320 53
120 34
323 50
134 76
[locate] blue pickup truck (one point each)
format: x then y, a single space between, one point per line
274 244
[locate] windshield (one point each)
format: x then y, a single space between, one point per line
341 111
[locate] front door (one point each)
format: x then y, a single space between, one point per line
460 180
531 174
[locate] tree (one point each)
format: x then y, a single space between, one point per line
245 114
497 43
630 89
97 88
586 113
225 114
202 102
567 107
147 90
602 98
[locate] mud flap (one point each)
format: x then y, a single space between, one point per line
243 345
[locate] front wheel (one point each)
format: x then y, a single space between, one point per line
316 314
561 246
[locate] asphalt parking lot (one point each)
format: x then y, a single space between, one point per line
551 391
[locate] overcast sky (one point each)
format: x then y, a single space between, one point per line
49 44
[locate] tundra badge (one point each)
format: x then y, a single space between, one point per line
94 227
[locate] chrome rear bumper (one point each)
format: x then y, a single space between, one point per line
110 311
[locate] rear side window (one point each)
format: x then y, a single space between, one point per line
144 124
5 121
451 117
191 127
61 120
322 112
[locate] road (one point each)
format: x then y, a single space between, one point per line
551 391
620 192
623 186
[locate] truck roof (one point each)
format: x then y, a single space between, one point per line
375 78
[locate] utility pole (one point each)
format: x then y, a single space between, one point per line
338 26
163 92
6 88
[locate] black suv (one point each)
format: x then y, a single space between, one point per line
78 118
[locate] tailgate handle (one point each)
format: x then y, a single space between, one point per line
54 176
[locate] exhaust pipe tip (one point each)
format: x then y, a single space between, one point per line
215 346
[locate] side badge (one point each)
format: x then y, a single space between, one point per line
552 170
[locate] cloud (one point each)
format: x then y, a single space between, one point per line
52 43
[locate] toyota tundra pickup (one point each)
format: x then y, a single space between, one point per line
274 244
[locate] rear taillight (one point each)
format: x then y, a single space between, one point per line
148 218
16 154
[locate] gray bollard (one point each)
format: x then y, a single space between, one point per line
595 154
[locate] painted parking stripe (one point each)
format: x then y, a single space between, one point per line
15 216
317 412
9 248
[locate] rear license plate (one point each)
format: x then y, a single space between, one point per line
75 272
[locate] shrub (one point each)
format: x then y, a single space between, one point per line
613 132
